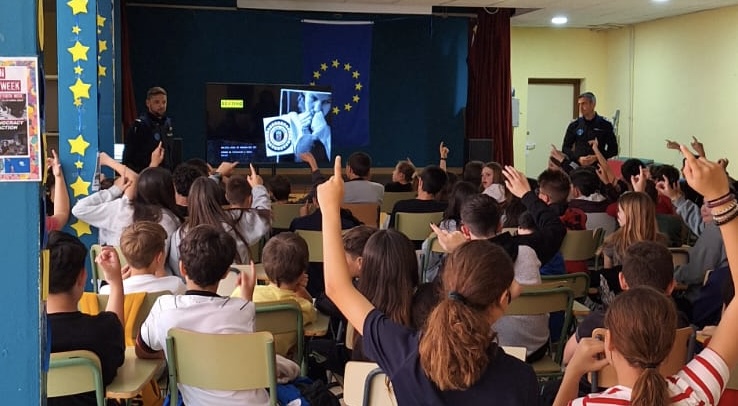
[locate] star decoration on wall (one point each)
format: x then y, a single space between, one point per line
78 51
102 46
79 164
76 30
100 20
101 70
78 145
78 70
78 6
81 228
80 89
80 187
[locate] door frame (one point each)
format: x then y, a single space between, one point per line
576 85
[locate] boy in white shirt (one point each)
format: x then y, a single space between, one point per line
143 246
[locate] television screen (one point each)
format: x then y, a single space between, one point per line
267 123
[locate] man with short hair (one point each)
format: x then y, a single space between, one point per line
151 132
431 181
588 127
358 188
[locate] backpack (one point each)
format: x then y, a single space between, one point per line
317 393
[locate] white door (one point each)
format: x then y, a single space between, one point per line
549 113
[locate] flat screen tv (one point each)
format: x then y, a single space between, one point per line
267 123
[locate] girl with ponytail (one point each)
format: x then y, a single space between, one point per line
641 325
455 360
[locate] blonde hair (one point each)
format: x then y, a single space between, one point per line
141 242
454 348
640 222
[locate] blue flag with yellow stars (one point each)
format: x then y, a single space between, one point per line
339 56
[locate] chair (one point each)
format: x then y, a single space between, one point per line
416 225
74 372
97 273
314 241
431 246
578 282
230 362
367 213
283 214
579 245
136 307
390 198
283 319
366 385
681 353
533 302
517 352
350 334
679 255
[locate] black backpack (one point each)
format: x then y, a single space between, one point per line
318 393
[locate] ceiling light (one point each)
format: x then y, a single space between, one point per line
559 20
660 1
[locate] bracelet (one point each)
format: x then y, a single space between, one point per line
720 200
731 206
728 217
443 159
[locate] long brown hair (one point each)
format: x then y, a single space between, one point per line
642 342
454 346
154 192
640 222
390 274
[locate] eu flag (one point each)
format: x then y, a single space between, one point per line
339 56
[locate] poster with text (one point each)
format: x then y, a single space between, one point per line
20 124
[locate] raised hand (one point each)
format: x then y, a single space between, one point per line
109 261
557 154
515 181
665 188
698 146
330 192
247 281
54 164
639 181
157 155
254 178
443 150
226 168
707 178
449 240
672 145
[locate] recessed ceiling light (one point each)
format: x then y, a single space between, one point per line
659 1
559 20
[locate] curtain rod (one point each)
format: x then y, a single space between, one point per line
182 6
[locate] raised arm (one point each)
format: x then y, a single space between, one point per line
338 285
61 194
710 180
110 264
443 151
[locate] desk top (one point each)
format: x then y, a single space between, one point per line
319 327
580 310
133 375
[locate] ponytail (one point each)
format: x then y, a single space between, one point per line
453 348
650 389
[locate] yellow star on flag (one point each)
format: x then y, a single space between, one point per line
355 98
355 74
312 83
316 74
100 20
78 6
101 70
335 63
358 87
324 66
78 52
81 228
79 164
102 46
80 187
78 70
347 107
80 89
77 102
76 29
347 66
336 110
78 145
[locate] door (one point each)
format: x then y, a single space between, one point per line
551 107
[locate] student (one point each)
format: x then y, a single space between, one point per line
493 182
207 253
246 226
279 189
402 178
69 329
472 173
183 176
431 181
238 192
641 326
358 187
456 359
57 193
142 245
133 197
452 215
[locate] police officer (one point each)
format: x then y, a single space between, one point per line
587 127
149 131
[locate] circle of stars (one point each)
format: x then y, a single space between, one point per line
343 67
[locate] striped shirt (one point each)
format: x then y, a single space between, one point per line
700 382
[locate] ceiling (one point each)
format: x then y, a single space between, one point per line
531 13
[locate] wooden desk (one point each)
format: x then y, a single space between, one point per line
580 310
317 328
133 375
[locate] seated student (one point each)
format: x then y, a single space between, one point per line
238 192
586 196
142 245
493 183
472 173
183 176
69 329
641 325
206 254
431 180
646 263
402 178
285 259
279 189
455 360
451 216
359 189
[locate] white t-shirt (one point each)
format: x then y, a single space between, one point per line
150 284
203 314
700 382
